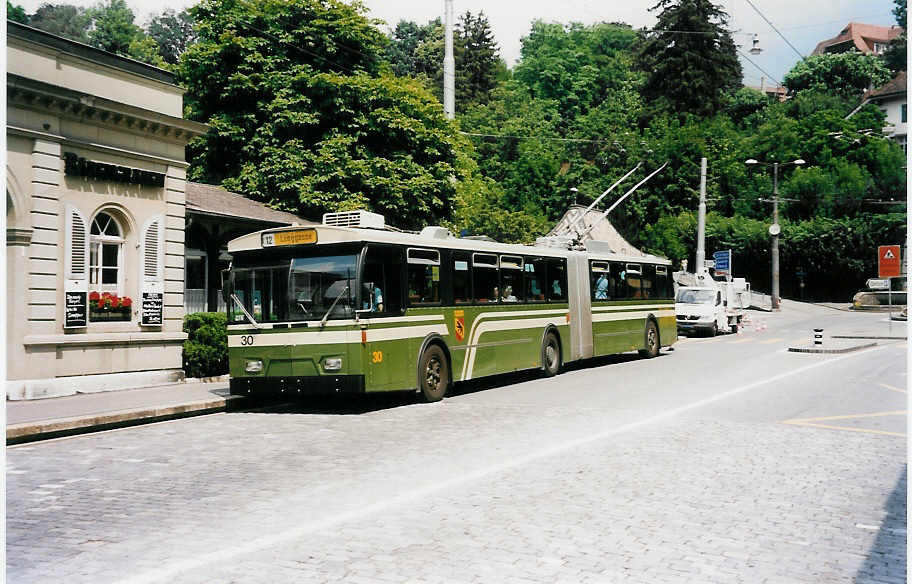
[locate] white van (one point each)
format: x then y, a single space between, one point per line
702 309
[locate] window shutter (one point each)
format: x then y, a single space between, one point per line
77 250
152 271
153 252
76 270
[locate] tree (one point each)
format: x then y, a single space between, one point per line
63 20
689 58
846 74
575 64
479 63
302 118
173 31
16 13
112 27
418 51
895 55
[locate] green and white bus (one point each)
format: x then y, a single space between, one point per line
331 308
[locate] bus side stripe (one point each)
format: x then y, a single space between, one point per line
339 337
502 325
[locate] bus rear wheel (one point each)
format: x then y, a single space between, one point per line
652 341
433 374
551 357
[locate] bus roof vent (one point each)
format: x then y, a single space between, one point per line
435 232
359 218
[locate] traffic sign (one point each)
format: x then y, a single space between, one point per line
723 262
888 261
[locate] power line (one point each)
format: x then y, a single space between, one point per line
762 70
775 29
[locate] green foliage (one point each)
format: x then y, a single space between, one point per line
16 13
319 128
173 31
895 55
417 51
113 29
482 208
63 20
206 348
575 65
689 58
846 74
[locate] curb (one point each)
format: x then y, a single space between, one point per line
841 350
46 429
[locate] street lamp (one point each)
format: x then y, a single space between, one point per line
774 229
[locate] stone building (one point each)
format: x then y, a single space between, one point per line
95 211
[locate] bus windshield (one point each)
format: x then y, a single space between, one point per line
295 289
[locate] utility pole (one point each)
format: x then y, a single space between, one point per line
449 64
774 231
700 268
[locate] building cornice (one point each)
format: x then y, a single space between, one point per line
63 140
15 30
41 96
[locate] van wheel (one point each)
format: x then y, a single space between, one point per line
551 357
652 341
433 374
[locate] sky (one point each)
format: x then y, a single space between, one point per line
803 23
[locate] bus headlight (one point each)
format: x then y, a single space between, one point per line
254 366
332 363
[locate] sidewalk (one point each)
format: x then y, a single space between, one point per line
29 420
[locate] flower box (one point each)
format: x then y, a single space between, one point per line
107 307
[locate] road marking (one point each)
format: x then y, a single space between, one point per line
890 387
226 554
741 341
812 422
769 341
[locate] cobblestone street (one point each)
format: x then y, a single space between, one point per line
538 480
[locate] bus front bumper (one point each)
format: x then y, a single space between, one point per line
290 386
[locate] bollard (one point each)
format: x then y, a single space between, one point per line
818 336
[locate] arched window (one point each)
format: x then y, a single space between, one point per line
106 241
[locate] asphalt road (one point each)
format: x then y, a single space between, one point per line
728 459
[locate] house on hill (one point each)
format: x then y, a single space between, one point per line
891 99
865 38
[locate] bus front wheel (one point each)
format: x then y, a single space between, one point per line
433 374
551 357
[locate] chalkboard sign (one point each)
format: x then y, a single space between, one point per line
76 307
152 308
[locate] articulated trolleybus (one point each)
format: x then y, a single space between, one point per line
350 306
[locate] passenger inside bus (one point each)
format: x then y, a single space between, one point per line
601 288
372 297
508 294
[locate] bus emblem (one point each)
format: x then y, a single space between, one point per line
459 325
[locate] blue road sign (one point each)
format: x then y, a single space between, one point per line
723 261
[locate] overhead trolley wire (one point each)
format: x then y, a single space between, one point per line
763 16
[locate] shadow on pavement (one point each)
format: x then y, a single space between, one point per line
886 560
372 402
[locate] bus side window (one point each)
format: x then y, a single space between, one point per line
462 291
662 283
485 279
423 275
647 281
600 280
534 270
382 278
618 289
557 276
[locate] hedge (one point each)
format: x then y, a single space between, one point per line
206 348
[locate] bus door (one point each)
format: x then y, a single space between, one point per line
385 358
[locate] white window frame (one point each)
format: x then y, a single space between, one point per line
96 248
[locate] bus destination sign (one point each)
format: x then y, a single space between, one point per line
297 237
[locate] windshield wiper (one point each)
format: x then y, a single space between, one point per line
331 306
244 310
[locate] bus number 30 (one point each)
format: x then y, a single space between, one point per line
246 340
377 357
